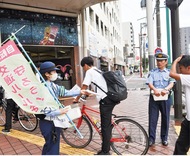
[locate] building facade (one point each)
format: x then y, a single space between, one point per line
102 35
44 37
129 44
128 39
64 37
185 40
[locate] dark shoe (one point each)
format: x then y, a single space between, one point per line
103 153
15 119
165 143
6 130
151 143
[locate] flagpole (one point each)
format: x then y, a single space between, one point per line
31 62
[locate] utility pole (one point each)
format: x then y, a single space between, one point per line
141 48
144 51
168 38
149 12
173 6
158 23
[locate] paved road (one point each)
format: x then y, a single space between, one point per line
135 82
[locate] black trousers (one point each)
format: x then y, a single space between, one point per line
183 142
106 116
9 110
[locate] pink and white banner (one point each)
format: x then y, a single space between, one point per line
20 82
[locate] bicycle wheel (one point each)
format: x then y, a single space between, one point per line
71 137
28 121
2 114
136 138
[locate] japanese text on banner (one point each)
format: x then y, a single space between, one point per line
20 82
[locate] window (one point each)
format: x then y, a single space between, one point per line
91 13
104 7
97 23
106 32
102 28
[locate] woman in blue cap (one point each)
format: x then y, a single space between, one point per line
51 133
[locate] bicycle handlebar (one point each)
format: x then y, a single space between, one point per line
83 97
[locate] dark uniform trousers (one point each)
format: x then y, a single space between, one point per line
106 109
154 108
183 142
50 147
11 106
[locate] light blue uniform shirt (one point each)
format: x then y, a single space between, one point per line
59 91
159 78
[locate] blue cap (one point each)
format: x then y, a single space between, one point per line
47 67
161 56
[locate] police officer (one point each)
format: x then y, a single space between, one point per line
51 133
160 84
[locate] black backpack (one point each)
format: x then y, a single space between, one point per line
117 88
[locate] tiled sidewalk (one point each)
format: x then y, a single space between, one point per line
135 106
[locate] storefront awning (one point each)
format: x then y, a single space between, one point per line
72 7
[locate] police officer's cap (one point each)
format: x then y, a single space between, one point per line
47 67
161 56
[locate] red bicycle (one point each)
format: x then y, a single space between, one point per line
128 136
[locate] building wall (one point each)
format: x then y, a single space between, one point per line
45 37
103 32
62 30
185 40
128 42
